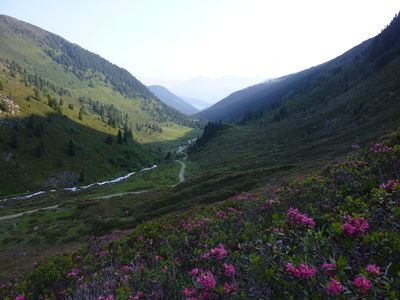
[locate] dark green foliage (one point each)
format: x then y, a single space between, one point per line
81 177
14 143
39 150
120 138
71 150
210 131
109 140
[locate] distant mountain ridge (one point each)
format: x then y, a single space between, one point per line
172 100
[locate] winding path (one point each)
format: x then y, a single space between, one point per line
27 212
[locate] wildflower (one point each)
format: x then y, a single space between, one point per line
362 284
164 269
202 223
139 237
103 253
219 252
373 269
187 226
329 268
297 218
195 271
229 270
355 226
389 186
381 148
229 288
35 265
276 230
307 271
232 210
221 214
355 146
158 258
189 292
20 297
207 280
245 197
334 287
73 273
292 270
303 271
109 297
126 268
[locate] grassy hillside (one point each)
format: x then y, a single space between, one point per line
53 93
332 234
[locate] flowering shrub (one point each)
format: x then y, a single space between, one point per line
343 243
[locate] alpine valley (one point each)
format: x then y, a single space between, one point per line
287 189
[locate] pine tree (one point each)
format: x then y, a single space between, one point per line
71 148
82 177
120 139
14 141
109 140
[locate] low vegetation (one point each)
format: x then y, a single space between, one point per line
334 233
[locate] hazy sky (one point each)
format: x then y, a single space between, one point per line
177 39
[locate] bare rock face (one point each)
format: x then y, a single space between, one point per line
8 106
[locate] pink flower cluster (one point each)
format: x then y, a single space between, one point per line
362 284
20 297
207 280
229 288
329 268
355 146
229 270
373 269
334 287
389 186
74 273
297 218
202 223
355 226
303 271
245 197
221 214
189 292
381 148
187 226
219 252
109 297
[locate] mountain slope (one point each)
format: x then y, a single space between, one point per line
67 111
172 100
198 103
334 233
339 76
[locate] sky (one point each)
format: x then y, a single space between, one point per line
170 40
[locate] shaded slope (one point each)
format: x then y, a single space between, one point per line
172 100
339 75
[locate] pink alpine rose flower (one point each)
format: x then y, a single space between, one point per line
329 268
229 270
207 280
373 269
20 297
362 284
355 226
229 288
189 292
219 252
334 287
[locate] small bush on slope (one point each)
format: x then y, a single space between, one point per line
334 234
